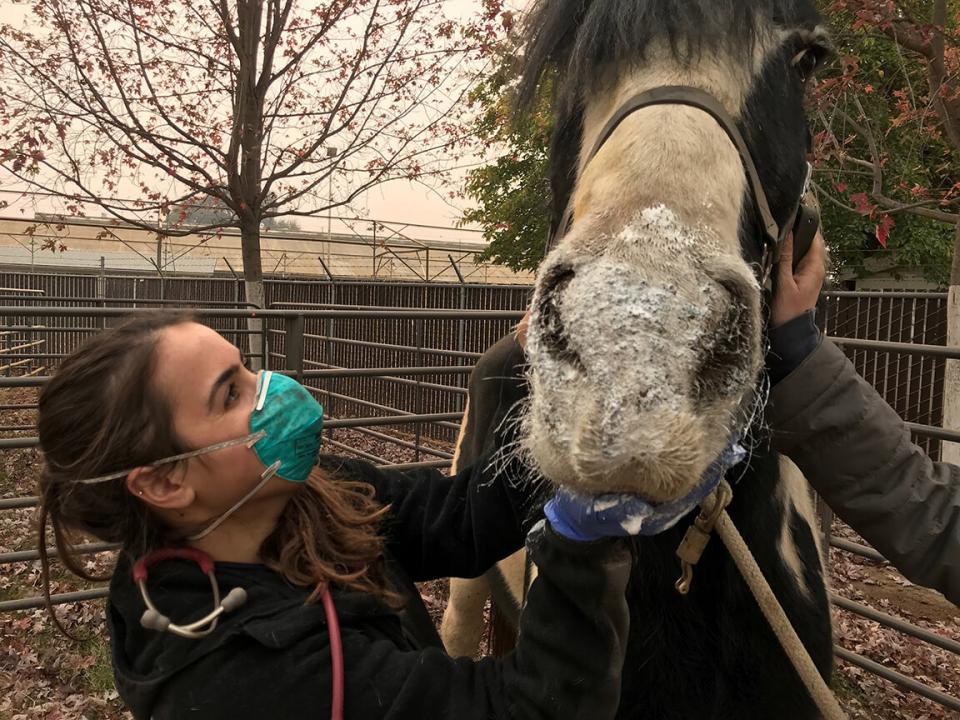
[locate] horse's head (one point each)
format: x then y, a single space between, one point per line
646 337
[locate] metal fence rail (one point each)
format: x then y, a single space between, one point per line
911 382
398 375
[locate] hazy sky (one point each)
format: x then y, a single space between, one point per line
399 201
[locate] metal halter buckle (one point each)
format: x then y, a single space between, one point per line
698 535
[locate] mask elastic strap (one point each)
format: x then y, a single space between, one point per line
248 440
262 387
267 474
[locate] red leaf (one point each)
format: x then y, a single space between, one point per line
887 224
862 203
840 187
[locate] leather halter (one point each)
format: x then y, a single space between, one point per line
702 100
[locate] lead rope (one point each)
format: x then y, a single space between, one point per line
713 516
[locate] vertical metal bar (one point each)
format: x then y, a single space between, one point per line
5 342
293 345
909 361
896 385
917 417
29 339
886 356
240 341
418 406
238 322
464 380
264 331
866 334
102 289
927 417
856 325
936 446
328 346
876 355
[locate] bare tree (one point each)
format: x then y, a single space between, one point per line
253 105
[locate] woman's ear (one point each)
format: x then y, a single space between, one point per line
160 488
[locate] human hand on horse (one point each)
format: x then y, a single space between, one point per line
796 292
520 330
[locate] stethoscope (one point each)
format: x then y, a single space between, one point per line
153 619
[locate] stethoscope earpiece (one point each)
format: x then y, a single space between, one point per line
152 620
234 599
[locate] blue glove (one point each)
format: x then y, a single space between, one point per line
587 518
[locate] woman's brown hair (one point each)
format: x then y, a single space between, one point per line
100 413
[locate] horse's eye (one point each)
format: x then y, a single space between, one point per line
807 61
810 58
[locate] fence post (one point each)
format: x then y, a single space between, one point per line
950 452
464 380
418 402
293 345
328 347
102 289
264 331
241 341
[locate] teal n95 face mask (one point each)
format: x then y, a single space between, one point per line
285 425
288 421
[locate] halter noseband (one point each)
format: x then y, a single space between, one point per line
702 100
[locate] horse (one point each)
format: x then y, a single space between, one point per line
677 165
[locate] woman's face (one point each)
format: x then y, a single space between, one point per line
210 393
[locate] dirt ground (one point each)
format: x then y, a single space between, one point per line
45 675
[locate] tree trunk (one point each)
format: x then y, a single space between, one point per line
253 284
951 384
245 178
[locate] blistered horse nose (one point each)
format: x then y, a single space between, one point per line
552 333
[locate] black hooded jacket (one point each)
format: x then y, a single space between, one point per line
270 658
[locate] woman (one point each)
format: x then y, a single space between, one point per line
155 435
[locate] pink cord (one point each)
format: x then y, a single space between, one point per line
336 655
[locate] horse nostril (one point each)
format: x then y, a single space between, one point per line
722 364
556 279
552 333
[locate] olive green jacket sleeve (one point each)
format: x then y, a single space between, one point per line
857 454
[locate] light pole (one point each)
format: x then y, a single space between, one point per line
331 153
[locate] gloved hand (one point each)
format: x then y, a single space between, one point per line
587 518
